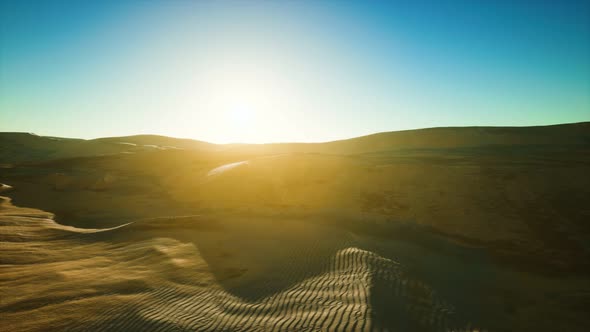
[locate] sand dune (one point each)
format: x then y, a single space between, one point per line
19 147
22 147
160 283
431 230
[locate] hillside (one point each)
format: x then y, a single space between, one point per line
453 227
18 147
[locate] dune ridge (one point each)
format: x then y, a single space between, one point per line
23 147
162 284
438 229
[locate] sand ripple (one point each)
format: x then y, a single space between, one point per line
55 277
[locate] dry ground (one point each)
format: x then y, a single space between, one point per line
411 231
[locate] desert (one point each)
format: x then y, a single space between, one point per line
429 230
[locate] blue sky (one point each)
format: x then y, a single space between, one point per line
268 71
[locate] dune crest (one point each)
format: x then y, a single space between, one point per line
439 229
152 282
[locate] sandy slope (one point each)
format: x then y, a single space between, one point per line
410 231
19 147
56 277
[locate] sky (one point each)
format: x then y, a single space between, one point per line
285 71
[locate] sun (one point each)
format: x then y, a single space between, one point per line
242 114
241 100
241 120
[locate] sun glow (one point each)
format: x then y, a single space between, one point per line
242 100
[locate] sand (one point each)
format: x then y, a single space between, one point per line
448 233
124 279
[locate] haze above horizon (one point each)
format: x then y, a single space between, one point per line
260 72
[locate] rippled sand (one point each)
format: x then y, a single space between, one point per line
430 230
134 278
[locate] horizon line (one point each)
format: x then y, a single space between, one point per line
299 142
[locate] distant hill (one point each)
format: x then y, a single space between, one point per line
445 137
20 147
159 141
